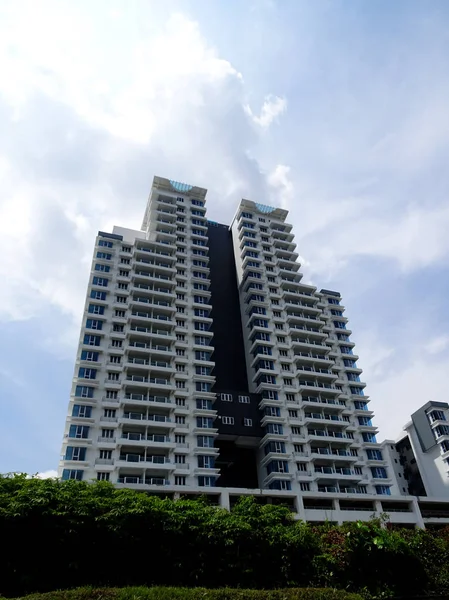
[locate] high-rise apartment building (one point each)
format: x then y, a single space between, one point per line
206 365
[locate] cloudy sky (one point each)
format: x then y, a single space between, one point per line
334 109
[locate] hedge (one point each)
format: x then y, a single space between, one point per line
63 535
167 593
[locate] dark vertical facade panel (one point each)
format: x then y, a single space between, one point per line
229 354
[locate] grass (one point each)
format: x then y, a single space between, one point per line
167 593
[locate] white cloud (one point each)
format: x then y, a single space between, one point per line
279 180
437 345
272 107
47 474
177 103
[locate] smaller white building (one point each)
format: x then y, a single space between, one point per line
419 459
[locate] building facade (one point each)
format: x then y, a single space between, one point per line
206 365
421 454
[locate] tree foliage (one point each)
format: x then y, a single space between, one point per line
59 535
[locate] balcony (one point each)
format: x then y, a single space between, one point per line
337 473
333 435
305 385
149 382
330 403
311 417
147 419
141 461
142 482
333 454
148 399
135 330
143 440
152 348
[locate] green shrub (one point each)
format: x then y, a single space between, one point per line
63 535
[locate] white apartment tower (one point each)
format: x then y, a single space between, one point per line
206 365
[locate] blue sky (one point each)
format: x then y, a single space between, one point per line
335 110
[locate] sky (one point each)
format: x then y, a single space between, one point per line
336 110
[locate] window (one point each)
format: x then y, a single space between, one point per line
206 481
204 422
298 448
288 381
118 328
110 413
100 281
205 441
180 296
120 313
81 411
180 480
122 286
281 340
301 466
107 433
180 420
113 376
180 459
87 373
125 261
227 420
72 474
102 476
96 309
293 414
180 385
98 295
180 323
283 353
244 399
383 490
105 243
123 273
285 366
180 352
275 429
304 487
75 453
80 432
206 462
84 391
89 356
180 336
126 248
180 368
379 472
180 309
290 397
204 404
296 430
103 268
120 299
247 422
106 454
226 397
116 359
116 343
180 401
111 394
180 439
94 324
202 386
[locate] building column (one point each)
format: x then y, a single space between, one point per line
300 508
336 509
224 500
417 514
